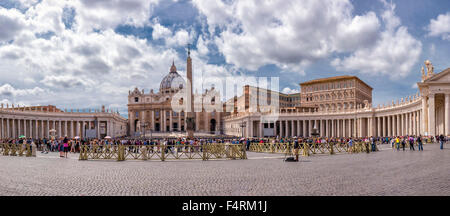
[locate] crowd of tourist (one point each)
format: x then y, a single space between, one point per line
66 145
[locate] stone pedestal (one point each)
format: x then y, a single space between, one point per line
33 149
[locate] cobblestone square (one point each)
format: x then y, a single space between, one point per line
386 172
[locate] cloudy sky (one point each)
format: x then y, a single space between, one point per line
85 53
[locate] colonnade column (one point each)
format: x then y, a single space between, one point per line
298 128
1 128
292 128
431 116
447 114
424 115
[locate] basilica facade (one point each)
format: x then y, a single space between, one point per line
152 113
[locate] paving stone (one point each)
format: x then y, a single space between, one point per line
388 172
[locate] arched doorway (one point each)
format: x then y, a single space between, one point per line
212 126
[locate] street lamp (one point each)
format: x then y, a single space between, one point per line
242 125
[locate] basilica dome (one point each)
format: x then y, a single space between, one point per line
172 82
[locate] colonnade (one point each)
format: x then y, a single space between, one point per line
40 128
166 119
375 124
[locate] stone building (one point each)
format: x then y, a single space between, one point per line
335 93
39 121
342 107
153 114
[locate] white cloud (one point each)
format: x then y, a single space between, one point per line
7 90
160 32
67 81
286 33
102 14
394 54
84 68
288 90
440 26
11 23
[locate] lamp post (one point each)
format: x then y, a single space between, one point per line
242 125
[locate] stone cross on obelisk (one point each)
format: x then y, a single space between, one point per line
190 117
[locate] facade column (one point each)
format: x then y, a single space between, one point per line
260 129
31 128
59 129
360 134
424 115
408 124
77 124
298 128
24 121
322 128
8 128
332 128
249 127
344 127
304 129
389 126
378 126
281 129
197 121
179 121
98 128
310 127
83 130
132 126
292 128
338 127
386 126
350 128
48 129
65 129
447 114
163 122
36 129
19 124
152 124
431 115
170 121
14 128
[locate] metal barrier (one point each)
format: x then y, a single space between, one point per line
8 149
163 152
306 149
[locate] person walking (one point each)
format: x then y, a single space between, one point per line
397 142
441 140
403 143
350 146
419 142
411 143
374 146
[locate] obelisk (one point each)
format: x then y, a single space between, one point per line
190 118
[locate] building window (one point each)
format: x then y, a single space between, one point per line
136 99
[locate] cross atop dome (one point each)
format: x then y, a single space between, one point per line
173 69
